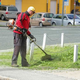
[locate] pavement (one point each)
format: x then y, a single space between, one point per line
11 73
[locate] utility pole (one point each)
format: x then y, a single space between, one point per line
74 12
62 12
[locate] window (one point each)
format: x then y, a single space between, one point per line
39 15
72 17
3 8
48 15
34 16
0 7
54 16
59 17
12 9
64 17
77 3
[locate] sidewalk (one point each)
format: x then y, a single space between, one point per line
74 74
10 73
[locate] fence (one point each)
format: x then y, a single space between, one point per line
45 36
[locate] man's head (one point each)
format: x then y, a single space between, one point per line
31 10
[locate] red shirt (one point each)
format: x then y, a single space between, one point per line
25 23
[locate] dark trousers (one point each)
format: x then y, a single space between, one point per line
19 46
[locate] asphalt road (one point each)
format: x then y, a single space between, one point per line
71 35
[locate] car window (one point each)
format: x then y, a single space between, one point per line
12 8
72 17
54 16
48 15
64 17
59 17
34 16
39 15
3 8
0 7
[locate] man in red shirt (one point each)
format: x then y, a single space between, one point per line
23 23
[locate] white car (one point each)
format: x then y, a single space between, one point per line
67 19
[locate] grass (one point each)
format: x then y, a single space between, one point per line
61 58
2 25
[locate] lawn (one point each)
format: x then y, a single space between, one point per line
62 57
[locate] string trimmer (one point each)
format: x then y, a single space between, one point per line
47 56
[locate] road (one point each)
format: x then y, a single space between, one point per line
71 35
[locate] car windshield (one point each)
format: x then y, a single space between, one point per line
12 8
72 17
48 15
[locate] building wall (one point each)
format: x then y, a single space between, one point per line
8 2
40 5
72 7
67 9
49 5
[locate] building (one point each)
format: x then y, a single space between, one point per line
54 6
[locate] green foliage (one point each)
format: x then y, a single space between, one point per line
62 57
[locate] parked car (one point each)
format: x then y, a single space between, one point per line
78 15
8 12
67 19
40 19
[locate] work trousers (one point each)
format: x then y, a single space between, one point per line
19 46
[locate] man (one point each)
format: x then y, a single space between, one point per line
22 23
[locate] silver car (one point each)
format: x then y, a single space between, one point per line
8 12
67 19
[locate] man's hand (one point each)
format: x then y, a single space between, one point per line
33 39
24 31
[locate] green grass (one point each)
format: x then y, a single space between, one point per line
61 58
2 25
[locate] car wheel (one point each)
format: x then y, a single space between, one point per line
40 24
69 24
2 17
53 24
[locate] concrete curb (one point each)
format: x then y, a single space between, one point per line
6 78
7 50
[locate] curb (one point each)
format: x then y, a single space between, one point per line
7 50
6 78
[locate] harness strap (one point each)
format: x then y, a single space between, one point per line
23 19
19 29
